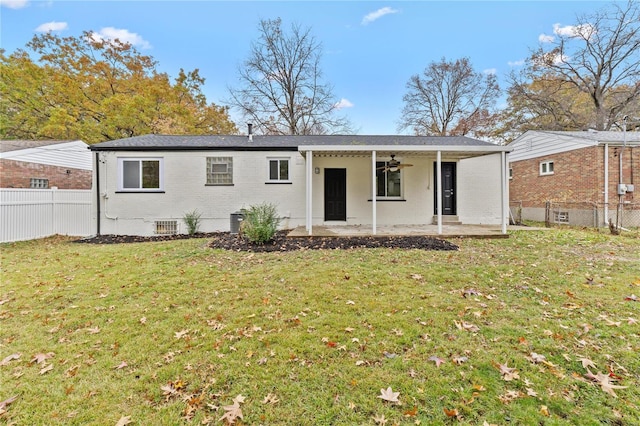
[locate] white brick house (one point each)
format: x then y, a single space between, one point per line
145 185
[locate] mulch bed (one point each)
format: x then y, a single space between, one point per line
280 243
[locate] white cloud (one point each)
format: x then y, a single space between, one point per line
125 36
370 17
51 26
585 30
343 103
490 71
14 4
544 38
516 63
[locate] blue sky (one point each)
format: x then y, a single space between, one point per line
370 49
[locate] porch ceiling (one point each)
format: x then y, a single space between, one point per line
458 152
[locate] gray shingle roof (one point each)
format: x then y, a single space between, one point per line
260 142
600 136
15 145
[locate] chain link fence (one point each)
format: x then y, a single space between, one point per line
576 213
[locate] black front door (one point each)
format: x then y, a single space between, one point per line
335 194
448 188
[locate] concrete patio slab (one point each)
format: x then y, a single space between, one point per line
448 231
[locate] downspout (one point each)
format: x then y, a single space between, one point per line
98 213
606 184
504 203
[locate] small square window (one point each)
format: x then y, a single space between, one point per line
219 170
546 168
279 170
38 183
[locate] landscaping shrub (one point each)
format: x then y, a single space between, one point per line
260 223
192 220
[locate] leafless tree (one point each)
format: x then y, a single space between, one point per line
281 89
450 98
599 56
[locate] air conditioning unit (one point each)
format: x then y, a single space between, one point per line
630 187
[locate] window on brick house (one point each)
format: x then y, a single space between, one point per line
39 183
546 168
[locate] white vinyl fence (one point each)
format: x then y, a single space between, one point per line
26 214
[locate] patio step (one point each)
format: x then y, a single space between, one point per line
447 220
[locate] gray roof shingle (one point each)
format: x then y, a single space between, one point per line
261 142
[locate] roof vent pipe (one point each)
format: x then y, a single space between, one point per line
249 125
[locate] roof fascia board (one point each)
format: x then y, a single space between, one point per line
194 148
405 148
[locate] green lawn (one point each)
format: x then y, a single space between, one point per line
503 331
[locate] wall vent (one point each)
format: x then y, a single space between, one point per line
561 217
166 227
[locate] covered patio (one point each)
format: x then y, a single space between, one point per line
462 150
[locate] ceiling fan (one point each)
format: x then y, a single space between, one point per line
393 165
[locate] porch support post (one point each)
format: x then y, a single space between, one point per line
504 201
374 213
606 185
439 190
309 192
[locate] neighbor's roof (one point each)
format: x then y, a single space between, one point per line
261 142
15 145
600 136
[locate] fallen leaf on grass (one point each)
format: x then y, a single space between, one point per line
586 363
10 358
632 298
544 410
40 358
604 380
411 413
46 369
180 334
451 413
7 402
120 366
389 395
124 420
270 399
94 330
508 373
463 325
380 420
233 412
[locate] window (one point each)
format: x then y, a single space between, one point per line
388 181
546 168
279 170
38 183
140 174
219 170
510 173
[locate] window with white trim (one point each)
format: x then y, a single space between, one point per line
510 172
38 183
219 170
546 168
389 181
279 170
140 174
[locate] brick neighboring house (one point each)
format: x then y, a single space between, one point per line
45 164
579 173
